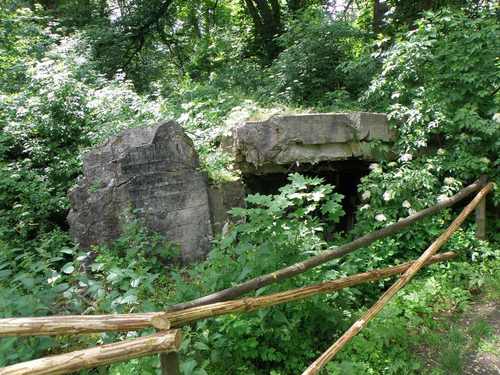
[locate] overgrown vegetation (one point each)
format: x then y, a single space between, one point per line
73 73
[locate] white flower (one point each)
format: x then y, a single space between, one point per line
406 204
433 124
374 166
53 279
366 195
120 76
441 151
412 211
388 195
392 164
449 181
405 157
183 117
365 207
380 217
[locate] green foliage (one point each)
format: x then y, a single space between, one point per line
24 36
321 56
195 60
273 231
443 108
393 342
64 107
440 85
53 105
124 276
55 277
26 289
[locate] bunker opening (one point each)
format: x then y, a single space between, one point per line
344 175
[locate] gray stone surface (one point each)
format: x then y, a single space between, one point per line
152 172
308 138
222 198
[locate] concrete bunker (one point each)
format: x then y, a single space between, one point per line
155 172
338 147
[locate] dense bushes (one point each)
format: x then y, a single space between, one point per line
53 105
321 58
439 85
63 107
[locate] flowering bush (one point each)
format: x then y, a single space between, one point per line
53 105
439 84
64 107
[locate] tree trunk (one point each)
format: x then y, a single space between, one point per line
266 18
379 9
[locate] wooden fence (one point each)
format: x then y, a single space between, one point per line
168 338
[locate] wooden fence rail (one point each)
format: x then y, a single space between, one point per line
75 324
61 325
317 365
168 341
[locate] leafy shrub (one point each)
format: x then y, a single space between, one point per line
320 56
273 231
439 84
126 275
24 37
55 277
64 107
56 107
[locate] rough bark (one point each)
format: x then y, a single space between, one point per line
167 341
297 268
71 324
317 365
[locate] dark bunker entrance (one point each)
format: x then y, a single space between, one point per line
344 175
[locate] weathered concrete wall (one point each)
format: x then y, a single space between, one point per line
261 147
153 172
222 198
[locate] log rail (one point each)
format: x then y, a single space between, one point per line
167 341
59 325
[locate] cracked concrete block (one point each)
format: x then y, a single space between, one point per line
308 138
151 172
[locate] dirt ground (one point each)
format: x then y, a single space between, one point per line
480 361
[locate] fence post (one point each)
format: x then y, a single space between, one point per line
481 214
170 364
